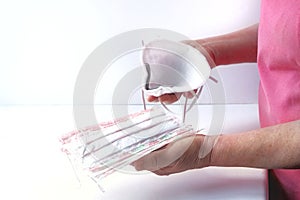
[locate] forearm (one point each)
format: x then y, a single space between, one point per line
236 47
272 147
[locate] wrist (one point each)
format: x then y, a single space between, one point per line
217 153
204 47
205 150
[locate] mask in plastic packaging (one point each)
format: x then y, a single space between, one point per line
103 148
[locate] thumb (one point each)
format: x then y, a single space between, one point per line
164 157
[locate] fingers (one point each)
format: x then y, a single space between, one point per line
172 169
166 98
190 94
171 98
152 99
153 161
165 160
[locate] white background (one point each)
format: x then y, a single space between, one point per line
44 43
42 47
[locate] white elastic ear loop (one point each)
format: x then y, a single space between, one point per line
195 99
213 79
185 110
165 107
143 99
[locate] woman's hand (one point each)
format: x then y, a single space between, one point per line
175 157
171 98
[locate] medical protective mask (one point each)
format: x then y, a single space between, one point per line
174 68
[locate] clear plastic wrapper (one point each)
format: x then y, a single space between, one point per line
101 149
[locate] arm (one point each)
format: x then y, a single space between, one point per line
269 148
272 147
236 47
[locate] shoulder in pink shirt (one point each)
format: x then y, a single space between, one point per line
279 69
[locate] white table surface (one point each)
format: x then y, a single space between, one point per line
33 167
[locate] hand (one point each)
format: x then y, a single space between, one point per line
175 157
164 58
171 98
204 48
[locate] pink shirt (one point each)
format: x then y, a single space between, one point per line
279 68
